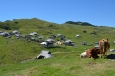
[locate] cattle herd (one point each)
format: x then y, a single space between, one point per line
94 51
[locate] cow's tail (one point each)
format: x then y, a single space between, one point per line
103 48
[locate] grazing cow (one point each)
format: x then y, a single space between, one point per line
59 43
104 46
83 55
92 53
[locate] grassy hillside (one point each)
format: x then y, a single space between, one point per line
17 56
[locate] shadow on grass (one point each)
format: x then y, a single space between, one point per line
111 56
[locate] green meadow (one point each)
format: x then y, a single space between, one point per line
17 57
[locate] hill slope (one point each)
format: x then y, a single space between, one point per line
66 60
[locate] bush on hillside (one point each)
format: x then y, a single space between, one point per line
4 26
79 23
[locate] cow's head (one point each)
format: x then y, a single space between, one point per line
105 40
89 53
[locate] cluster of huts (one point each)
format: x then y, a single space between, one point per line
34 36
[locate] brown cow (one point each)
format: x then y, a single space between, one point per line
93 53
104 46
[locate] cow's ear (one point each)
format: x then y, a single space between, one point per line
103 39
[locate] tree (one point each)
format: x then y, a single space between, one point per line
70 22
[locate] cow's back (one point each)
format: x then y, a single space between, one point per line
93 52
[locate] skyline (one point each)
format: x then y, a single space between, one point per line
96 12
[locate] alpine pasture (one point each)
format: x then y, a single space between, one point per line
17 57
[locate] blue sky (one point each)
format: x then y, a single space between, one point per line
96 12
